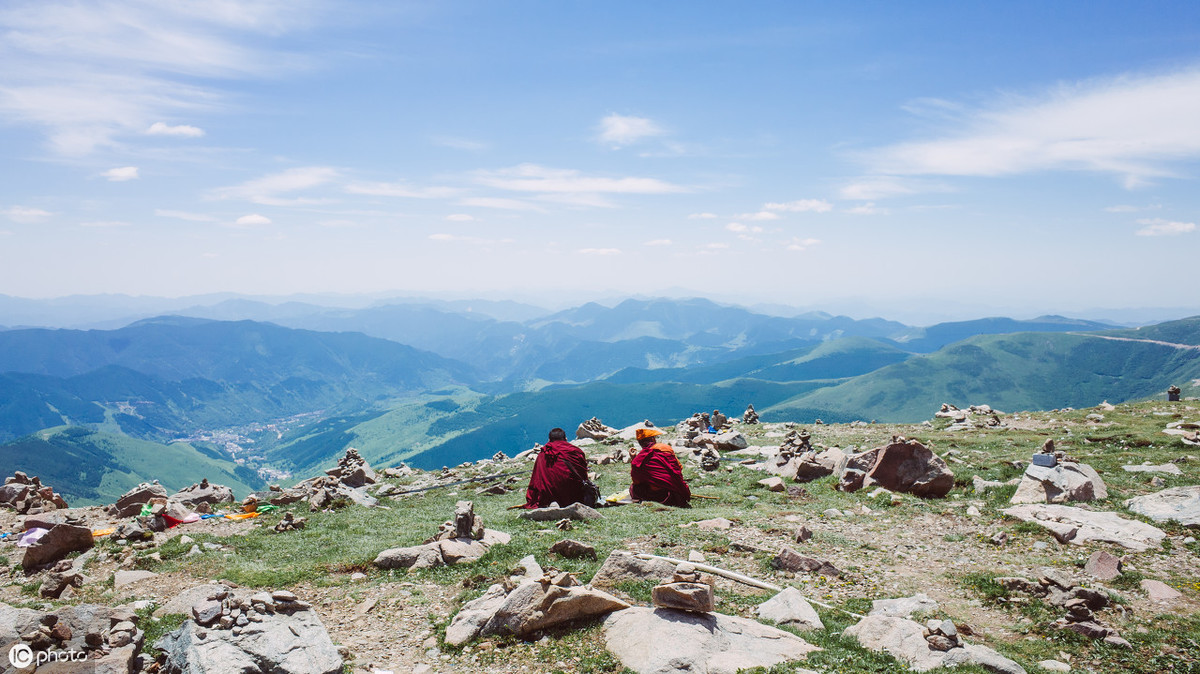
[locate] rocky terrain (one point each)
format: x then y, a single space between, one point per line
982 540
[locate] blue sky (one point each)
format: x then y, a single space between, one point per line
962 158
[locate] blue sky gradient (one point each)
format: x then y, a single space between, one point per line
962 158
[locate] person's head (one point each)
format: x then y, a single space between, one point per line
716 412
646 436
557 434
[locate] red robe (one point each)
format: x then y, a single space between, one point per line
557 476
657 476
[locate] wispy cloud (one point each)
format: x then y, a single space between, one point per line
501 204
1161 227
743 229
534 178
472 240
799 244
268 189
761 215
121 174
868 208
702 216
402 189
104 224
658 242
800 206
459 143
618 131
1132 126
880 187
162 129
1125 208
460 217
183 215
25 215
599 251
252 220
87 73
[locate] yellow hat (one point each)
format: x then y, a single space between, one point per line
643 433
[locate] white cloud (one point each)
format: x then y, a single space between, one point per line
87 73
717 246
121 174
337 223
184 215
267 189
1160 227
501 204
161 129
1133 126
599 251
761 215
658 242
871 188
401 189
534 178
739 227
26 215
800 206
868 208
1125 208
104 224
799 244
472 240
620 130
702 216
252 220
460 217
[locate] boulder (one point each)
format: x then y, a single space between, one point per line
594 429
622 566
1181 504
910 467
537 604
471 618
59 541
685 596
790 560
1075 525
664 640
1160 591
131 502
905 640
1102 566
1066 481
728 441
903 607
791 609
415 557
812 465
204 492
573 549
575 511
294 642
108 637
773 484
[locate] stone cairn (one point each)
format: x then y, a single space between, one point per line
222 610
686 590
594 429
290 522
1081 603
466 524
1173 393
750 416
28 496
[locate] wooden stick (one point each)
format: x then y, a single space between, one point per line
733 575
711 498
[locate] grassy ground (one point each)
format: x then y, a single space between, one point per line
884 549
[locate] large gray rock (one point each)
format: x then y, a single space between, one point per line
470 620
812 465
537 604
204 492
131 502
654 641
903 607
791 609
622 566
1066 481
904 466
280 643
1075 525
59 541
905 640
575 511
1181 504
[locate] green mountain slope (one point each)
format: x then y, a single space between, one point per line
1023 371
91 468
1183 331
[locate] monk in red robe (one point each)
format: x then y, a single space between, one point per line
558 473
656 473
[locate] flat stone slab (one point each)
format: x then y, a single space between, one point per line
1076 525
1168 468
1160 591
1181 504
124 578
653 641
902 607
575 511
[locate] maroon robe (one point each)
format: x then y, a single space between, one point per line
657 476
557 476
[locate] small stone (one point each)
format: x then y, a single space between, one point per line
802 534
283 595
696 556
1054 666
1102 566
940 643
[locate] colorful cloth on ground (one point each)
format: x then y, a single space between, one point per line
657 476
557 476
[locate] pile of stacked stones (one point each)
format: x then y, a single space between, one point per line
224 611
1057 589
686 590
28 496
290 522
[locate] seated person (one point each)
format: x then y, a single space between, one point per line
656 473
558 473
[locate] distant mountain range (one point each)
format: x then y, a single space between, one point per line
254 387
